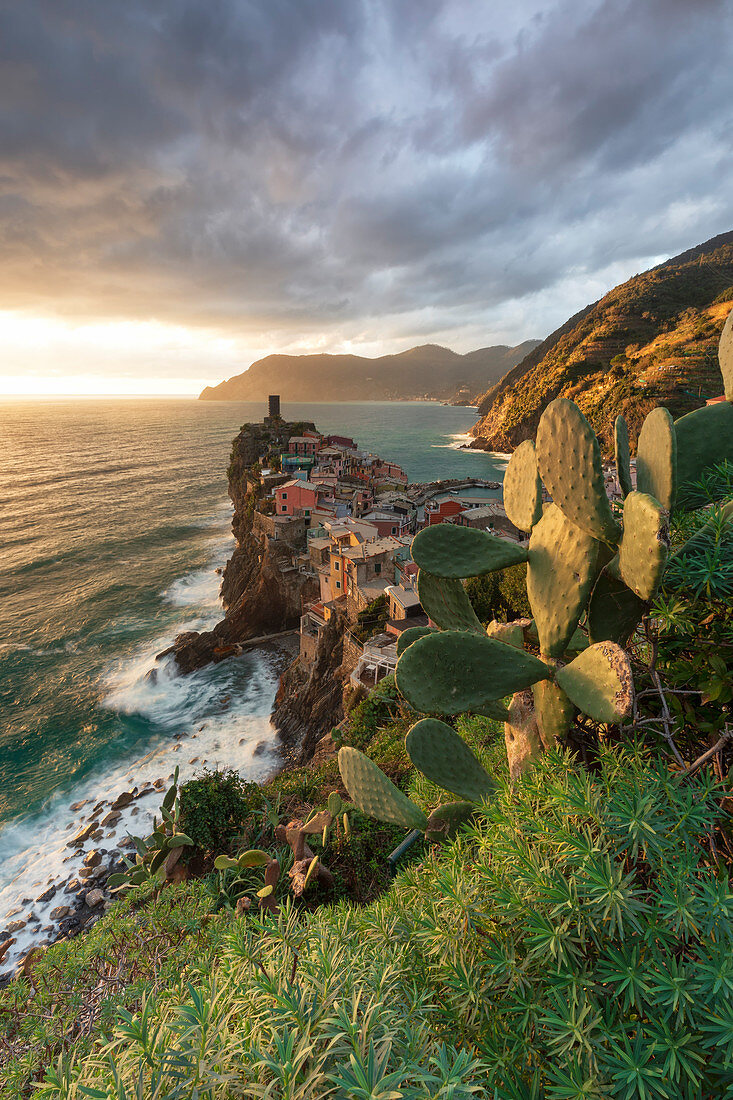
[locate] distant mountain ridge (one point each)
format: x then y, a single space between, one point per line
424 371
650 341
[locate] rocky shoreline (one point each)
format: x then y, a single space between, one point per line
68 903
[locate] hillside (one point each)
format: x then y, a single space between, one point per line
650 341
425 371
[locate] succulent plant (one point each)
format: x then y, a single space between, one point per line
159 852
586 565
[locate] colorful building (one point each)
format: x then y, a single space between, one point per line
296 498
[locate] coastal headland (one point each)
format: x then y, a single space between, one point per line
323 532
349 512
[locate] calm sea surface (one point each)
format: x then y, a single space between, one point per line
113 520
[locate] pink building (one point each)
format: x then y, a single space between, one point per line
295 497
303 445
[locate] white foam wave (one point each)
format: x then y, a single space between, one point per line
200 588
218 716
221 719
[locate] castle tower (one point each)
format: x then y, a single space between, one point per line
274 403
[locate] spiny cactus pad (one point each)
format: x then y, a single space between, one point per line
509 633
444 600
446 550
521 734
569 461
600 683
642 554
523 488
623 454
443 756
407 637
560 573
704 438
554 712
375 794
453 671
725 356
656 458
494 710
614 610
445 821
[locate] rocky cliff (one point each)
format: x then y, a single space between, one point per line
650 341
309 701
261 592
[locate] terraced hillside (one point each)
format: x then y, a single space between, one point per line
650 341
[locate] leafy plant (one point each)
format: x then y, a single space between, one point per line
215 806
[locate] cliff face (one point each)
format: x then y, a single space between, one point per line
310 700
651 341
429 370
261 592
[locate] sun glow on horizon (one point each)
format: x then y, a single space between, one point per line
53 357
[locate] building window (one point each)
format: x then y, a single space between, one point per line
284 507
337 564
394 530
378 567
338 584
285 496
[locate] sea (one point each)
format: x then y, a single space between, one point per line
114 529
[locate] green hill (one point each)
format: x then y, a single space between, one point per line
651 341
425 371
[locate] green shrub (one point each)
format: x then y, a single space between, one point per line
576 944
500 595
215 806
380 707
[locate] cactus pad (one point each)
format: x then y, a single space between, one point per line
614 610
407 637
444 600
560 574
509 633
569 461
494 710
443 756
642 554
600 683
523 488
725 356
554 712
375 794
623 454
453 671
656 458
445 821
521 734
446 550
704 438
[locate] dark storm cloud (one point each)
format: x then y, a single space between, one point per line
326 165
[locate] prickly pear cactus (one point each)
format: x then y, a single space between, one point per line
656 458
444 757
623 455
591 572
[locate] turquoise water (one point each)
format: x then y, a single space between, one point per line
114 520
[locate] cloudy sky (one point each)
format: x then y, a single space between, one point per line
186 185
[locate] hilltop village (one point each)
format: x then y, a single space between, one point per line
323 532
